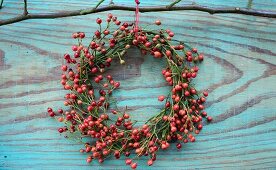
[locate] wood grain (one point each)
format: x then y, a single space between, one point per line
239 72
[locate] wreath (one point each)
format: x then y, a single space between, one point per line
106 131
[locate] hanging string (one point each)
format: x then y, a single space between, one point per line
136 27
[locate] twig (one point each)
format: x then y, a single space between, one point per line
244 11
249 4
174 3
1 3
88 11
111 2
25 8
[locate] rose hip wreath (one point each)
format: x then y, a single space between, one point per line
112 131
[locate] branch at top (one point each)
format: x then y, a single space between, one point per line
231 10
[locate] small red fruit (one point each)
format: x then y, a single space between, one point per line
133 165
209 118
200 57
60 130
157 54
178 146
117 85
64 68
150 162
161 98
99 21
158 22
128 161
82 35
51 114
49 110
106 32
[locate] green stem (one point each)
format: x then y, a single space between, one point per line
249 4
174 3
84 12
1 3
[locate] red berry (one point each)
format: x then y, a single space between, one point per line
204 113
89 108
94 70
106 32
60 130
109 15
75 35
161 98
89 159
178 146
200 57
133 165
97 80
199 127
185 85
209 118
205 93
150 162
66 56
168 104
157 54
171 34
99 21
176 107
122 28
173 129
168 53
128 161
82 34
117 84
117 22
64 68
60 111
187 93
74 48
49 110
51 114
97 33
158 22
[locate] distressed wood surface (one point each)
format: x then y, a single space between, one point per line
239 72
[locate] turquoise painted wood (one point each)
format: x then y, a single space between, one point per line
239 72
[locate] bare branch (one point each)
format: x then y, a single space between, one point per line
244 11
25 12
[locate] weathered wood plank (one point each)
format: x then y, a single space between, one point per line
239 71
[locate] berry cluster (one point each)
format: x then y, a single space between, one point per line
90 114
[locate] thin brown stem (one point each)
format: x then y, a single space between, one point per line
230 10
25 13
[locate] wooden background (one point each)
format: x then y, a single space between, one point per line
239 72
